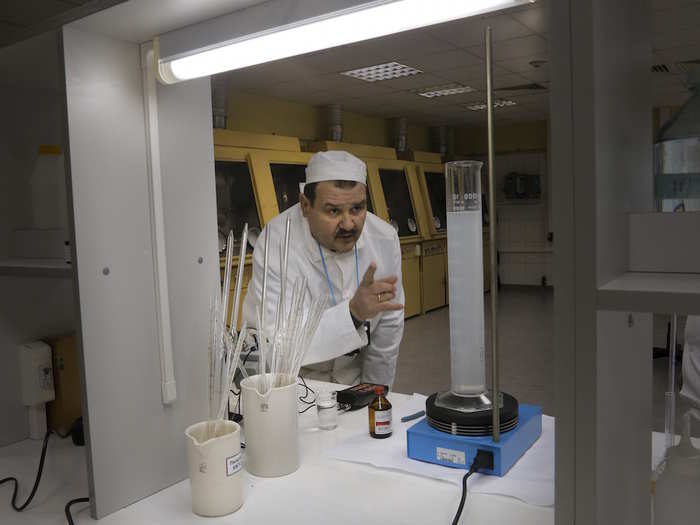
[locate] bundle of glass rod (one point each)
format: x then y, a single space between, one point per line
225 346
283 350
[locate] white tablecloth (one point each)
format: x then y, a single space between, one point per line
530 480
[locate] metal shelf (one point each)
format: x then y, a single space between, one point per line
652 292
36 267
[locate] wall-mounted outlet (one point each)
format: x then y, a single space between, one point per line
36 373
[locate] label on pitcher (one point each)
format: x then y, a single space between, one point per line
233 464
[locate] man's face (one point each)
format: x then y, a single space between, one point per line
337 215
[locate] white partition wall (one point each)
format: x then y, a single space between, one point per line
601 172
135 442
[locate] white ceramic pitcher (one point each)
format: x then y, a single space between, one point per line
270 427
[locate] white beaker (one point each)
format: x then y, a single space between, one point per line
270 425
214 459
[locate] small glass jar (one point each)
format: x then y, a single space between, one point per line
327 408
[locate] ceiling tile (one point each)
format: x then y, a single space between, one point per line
470 31
667 82
670 99
509 80
515 48
679 54
10 33
522 64
679 17
397 98
474 74
270 73
676 38
343 58
29 12
537 75
457 99
402 45
443 60
414 81
535 18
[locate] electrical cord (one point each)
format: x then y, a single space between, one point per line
483 460
20 508
238 394
304 398
40 470
69 516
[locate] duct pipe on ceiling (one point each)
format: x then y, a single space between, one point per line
219 100
442 141
334 116
401 134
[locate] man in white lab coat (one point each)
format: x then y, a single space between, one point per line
349 256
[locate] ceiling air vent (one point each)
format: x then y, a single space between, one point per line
382 72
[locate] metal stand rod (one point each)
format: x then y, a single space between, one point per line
492 242
672 376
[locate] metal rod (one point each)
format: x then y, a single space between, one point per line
263 298
672 376
496 422
239 279
227 279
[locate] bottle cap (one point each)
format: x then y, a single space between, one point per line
379 390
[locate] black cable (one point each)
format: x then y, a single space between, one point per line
483 460
245 360
36 481
307 408
69 517
304 399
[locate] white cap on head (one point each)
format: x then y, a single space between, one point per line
335 165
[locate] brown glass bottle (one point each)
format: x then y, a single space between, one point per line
380 415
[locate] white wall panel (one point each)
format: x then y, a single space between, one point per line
135 443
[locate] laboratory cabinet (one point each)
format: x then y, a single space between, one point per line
402 209
434 275
257 177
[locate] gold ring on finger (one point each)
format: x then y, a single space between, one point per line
379 298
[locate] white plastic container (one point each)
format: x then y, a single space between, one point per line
215 467
270 425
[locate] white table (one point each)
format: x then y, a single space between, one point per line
321 491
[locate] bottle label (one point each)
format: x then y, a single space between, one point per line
382 422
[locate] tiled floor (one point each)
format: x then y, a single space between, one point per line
526 352
525 316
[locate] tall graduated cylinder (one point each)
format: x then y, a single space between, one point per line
466 274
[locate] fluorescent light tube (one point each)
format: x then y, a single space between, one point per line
364 22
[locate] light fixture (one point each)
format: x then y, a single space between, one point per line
443 91
363 22
498 103
382 72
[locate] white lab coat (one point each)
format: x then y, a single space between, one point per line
336 334
691 361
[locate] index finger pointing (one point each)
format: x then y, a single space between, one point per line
368 277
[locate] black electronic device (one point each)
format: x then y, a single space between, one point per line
358 396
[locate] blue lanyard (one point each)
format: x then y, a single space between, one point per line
328 279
